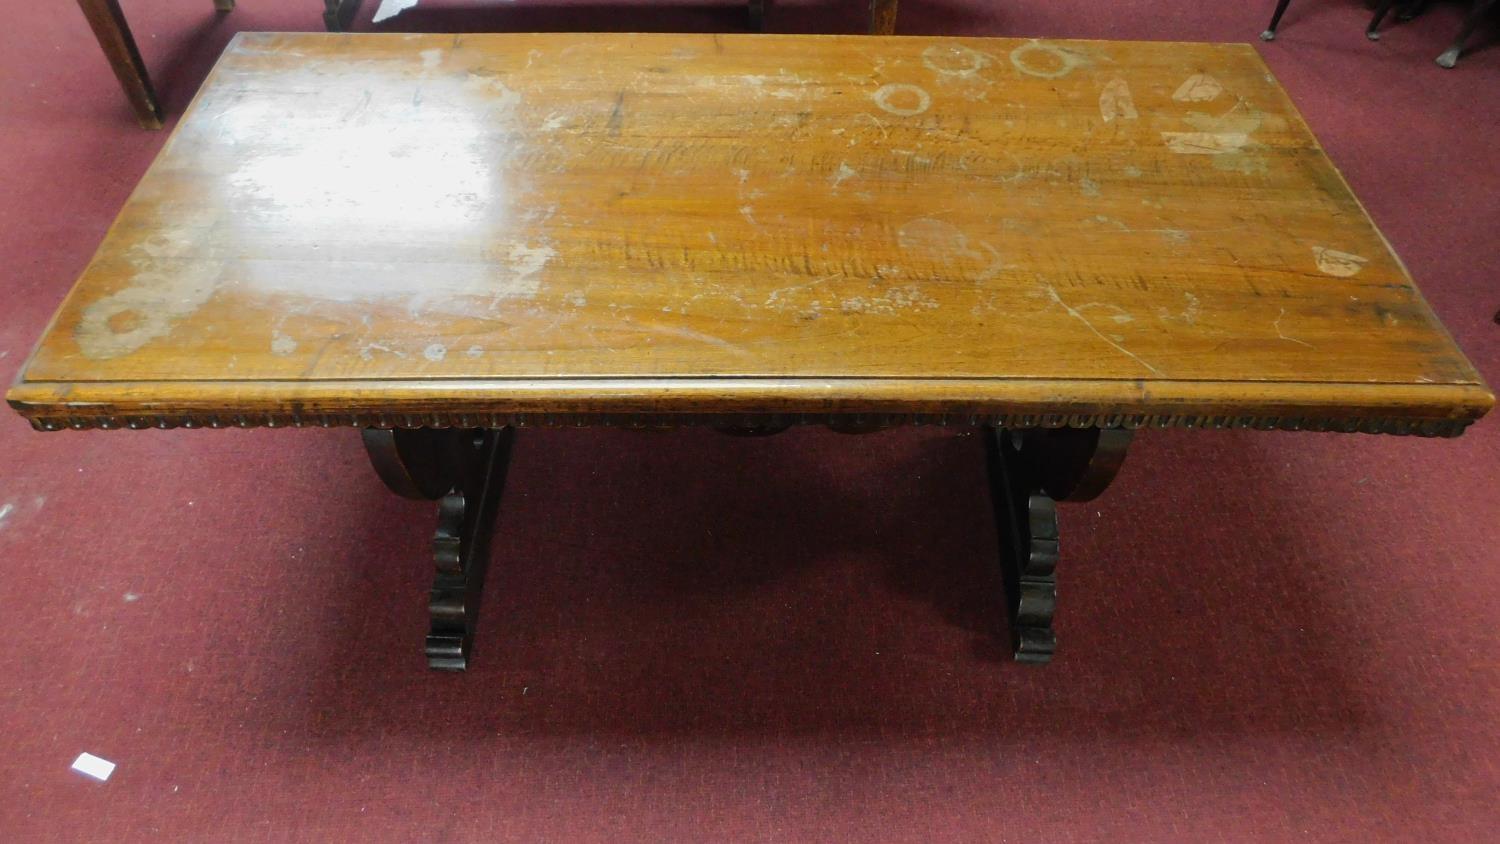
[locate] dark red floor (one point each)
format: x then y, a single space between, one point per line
688 636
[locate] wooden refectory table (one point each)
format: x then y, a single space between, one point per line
438 239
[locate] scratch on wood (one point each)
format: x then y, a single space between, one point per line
617 116
1078 315
1282 334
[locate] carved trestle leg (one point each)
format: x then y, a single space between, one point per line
1030 471
465 471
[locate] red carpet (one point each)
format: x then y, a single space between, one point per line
1264 636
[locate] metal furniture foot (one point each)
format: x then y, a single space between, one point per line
1270 33
1449 58
465 471
1372 32
1030 471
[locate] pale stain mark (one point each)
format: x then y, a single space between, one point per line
431 58
954 60
1115 101
1336 263
1204 143
525 263
1025 59
435 352
937 237
884 133
169 283
895 299
282 345
902 99
1189 314
844 173
1199 88
366 352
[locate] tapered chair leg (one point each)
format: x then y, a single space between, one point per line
1449 58
1372 32
1270 33
108 23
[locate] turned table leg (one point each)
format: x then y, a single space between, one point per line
1030 471
464 470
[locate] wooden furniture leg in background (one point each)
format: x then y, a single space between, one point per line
882 17
464 470
113 33
337 14
1030 471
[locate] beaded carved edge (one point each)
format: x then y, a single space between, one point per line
1365 425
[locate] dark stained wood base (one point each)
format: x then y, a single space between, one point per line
465 470
1030 471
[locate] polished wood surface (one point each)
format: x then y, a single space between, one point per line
343 229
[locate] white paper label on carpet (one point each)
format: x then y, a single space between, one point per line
390 8
91 765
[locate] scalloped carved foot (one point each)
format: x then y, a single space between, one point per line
1030 471
465 471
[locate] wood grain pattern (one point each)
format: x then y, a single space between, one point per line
349 229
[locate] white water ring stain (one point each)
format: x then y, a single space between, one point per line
885 93
954 60
1021 58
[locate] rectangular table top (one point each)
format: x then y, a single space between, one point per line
434 229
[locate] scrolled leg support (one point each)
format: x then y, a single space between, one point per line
1030 471
465 471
